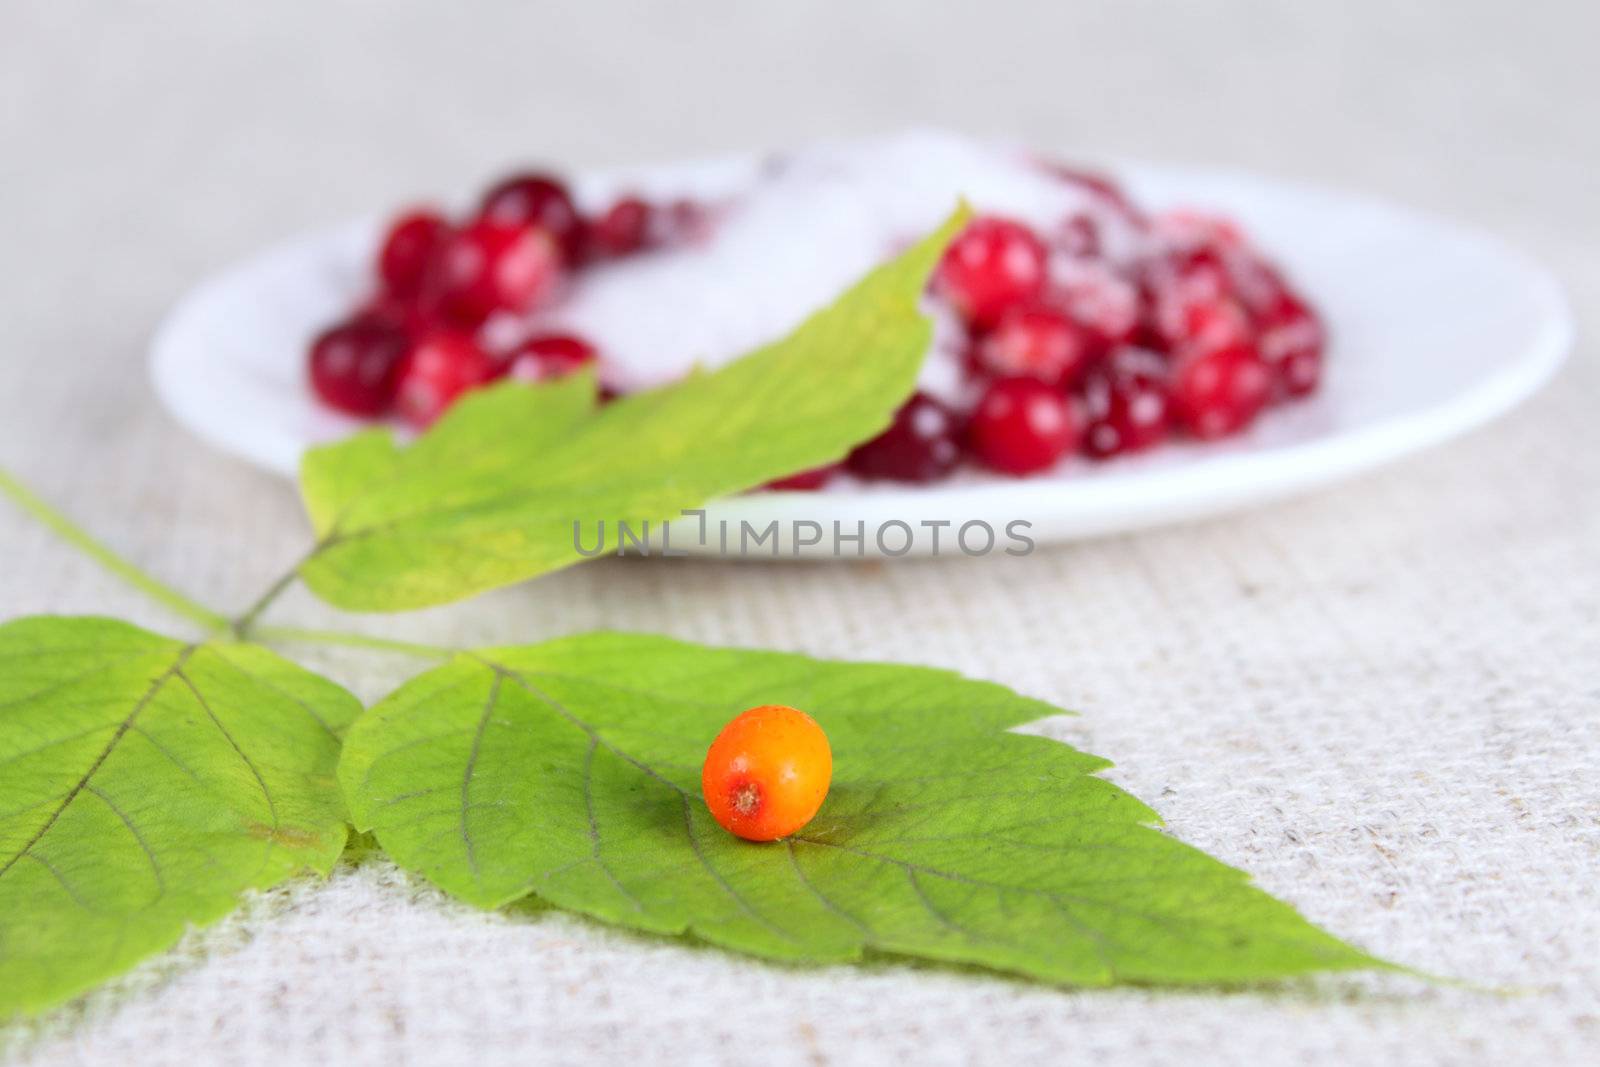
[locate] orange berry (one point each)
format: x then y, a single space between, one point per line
767 772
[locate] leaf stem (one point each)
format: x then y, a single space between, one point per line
244 625
80 539
301 635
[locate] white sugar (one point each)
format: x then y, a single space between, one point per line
791 237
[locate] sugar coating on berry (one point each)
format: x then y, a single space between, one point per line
1057 278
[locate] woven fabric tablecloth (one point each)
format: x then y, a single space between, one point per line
1383 700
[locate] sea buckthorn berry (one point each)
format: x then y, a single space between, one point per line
1022 426
411 244
767 772
991 266
1034 341
439 368
536 200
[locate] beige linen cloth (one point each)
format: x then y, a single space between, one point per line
1383 700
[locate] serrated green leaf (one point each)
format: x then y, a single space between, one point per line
491 495
145 783
570 770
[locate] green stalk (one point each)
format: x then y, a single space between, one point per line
64 528
300 635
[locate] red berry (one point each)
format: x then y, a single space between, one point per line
1125 405
1096 296
1185 230
550 355
1214 325
1291 342
536 200
439 368
920 445
684 221
411 244
1097 184
355 365
1176 281
625 228
491 267
1257 284
991 266
1035 341
1022 426
1077 236
411 317
1219 392
806 481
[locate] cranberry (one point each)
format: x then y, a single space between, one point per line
685 221
1258 285
1078 236
1097 184
920 445
1125 405
537 200
550 355
1219 392
491 267
1022 426
1035 341
355 365
439 368
1098 297
992 265
1291 342
1176 280
1186 230
806 481
625 228
411 244
1214 325
411 317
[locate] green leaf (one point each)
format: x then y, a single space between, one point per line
144 783
570 770
491 495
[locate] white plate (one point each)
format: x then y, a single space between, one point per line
1435 329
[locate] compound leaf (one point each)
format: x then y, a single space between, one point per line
491 495
145 783
570 771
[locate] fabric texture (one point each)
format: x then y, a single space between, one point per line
1382 700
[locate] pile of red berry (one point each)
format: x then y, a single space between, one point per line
1065 347
1068 350
420 341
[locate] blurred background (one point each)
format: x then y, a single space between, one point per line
148 143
